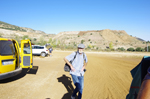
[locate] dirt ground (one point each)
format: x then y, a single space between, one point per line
107 77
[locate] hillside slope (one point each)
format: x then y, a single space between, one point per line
99 38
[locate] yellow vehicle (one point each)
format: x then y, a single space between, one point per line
12 60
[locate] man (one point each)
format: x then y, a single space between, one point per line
50 51
77 69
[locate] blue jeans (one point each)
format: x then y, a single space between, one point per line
79 83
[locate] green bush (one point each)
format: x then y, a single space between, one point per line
138 49
34 39
131 49
91 34
121 49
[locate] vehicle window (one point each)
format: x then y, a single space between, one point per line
7 48
27 48
41 47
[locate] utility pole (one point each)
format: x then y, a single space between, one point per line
147 47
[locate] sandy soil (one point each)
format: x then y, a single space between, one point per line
107 77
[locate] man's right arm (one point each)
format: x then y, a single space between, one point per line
72 68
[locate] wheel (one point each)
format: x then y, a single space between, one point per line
43 54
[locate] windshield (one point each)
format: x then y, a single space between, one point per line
7 48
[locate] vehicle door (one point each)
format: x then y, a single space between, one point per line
26 54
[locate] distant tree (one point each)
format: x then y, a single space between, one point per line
89 46
131 49
34 39
121 49
148 42
139 49
25 37
148 48
111 45
82 41
97 48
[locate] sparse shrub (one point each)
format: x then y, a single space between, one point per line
74 44
97 48
91 34
78 36
82 41
131 49
89 40
116 40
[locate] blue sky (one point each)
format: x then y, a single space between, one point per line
54 16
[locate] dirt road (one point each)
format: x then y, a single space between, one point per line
107 77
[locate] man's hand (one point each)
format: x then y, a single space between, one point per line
72 69
82 68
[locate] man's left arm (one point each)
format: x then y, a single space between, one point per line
85 63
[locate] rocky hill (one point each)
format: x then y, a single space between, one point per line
96 38
100 38
12 31
7 26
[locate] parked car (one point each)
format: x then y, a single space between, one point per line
39 50
12 60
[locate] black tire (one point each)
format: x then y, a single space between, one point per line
43 54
